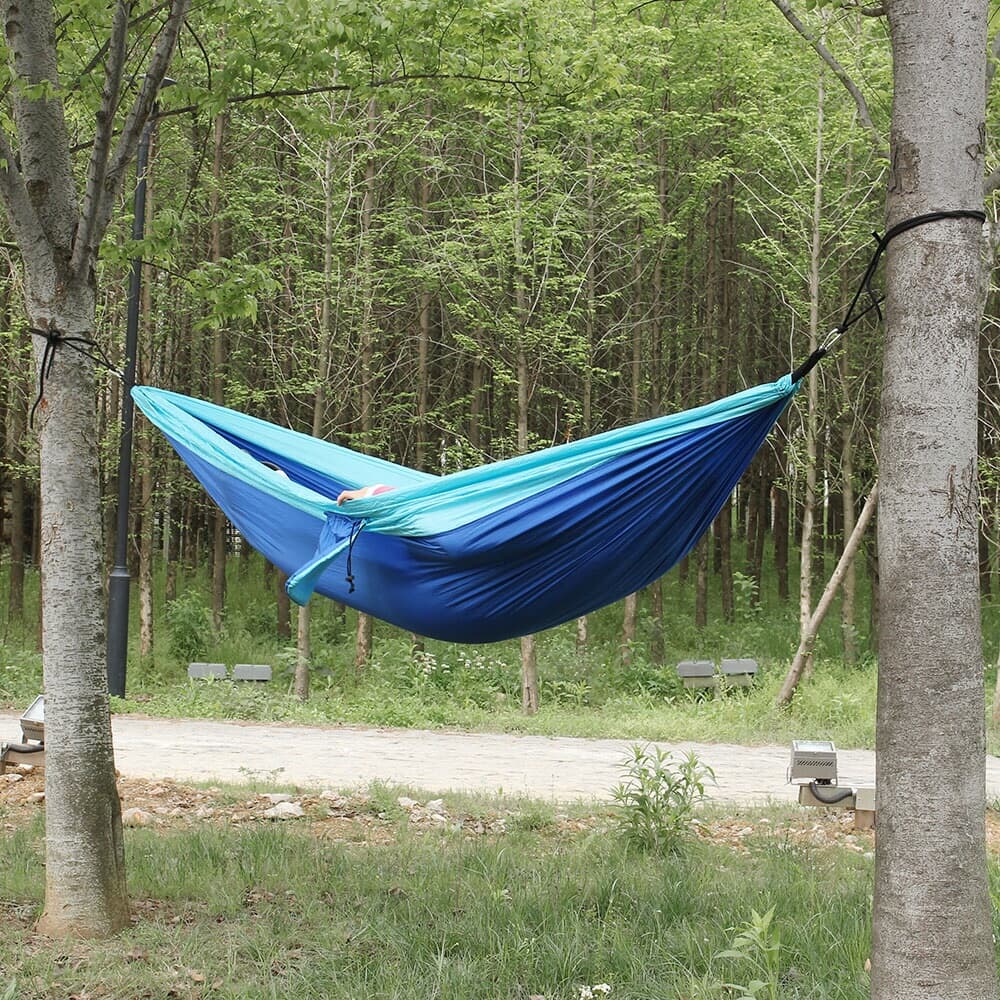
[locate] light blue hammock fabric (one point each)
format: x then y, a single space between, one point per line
488 553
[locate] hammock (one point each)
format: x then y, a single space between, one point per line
488 553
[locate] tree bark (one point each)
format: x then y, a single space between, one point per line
931 924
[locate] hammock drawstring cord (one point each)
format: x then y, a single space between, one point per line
356 530
865 285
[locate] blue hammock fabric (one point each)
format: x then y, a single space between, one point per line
488 553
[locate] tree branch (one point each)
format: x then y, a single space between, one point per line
827 56
136 121
98 165
14 194
330 88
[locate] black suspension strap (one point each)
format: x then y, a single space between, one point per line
865 286
82 345
356 530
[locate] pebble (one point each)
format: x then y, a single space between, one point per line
276 798
285 810
136 817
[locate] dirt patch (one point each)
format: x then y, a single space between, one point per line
168 805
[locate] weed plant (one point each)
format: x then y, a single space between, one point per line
656 799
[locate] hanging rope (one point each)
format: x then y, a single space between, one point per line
82 345
865 286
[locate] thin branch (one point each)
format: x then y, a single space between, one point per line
138 116
827 56
98 165
270 95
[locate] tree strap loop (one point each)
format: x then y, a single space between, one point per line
55 338
865 286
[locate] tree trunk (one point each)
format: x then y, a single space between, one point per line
143 439
812 387
781 539
85 894
701 582
808 638
931 923
848 629
17 421
284 606
219 523
529 660
303 655
366 349
529 675
630 621
362 642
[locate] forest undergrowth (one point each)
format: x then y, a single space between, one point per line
599 692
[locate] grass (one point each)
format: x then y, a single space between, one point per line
266 910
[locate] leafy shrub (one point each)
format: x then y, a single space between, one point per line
657 797
190 623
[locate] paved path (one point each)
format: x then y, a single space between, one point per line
559 768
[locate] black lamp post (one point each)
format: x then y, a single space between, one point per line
118 586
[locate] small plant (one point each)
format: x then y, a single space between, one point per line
757 945
190 625
657 797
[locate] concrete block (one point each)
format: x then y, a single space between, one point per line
202 671
251 672
695 668
864 798
733 669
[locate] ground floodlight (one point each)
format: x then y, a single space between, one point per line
33 720
813 761
32 750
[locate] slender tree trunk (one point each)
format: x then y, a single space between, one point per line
529 660
144 447
303 653
781 536
283 604
931 923
848 628
366 351
808 638
219 523
17 421
806 540
701 582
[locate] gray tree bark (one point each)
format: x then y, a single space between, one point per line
59 234
932 935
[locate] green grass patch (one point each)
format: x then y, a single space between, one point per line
267 910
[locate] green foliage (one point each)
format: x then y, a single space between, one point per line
189 623
757 950
656 799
